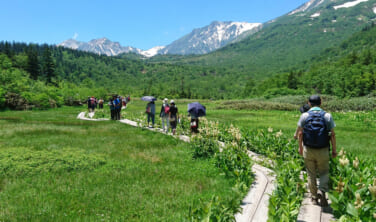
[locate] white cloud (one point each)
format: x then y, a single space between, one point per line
75 36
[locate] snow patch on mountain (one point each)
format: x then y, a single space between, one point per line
71 43
152 52
209 38
99 46
306 6
349 4
317 14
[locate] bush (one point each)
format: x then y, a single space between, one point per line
256 105
2 97
204 148
275 92
23 161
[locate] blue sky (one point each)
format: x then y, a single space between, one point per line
138 23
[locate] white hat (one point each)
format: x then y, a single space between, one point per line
165 100
172 101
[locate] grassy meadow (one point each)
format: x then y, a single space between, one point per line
355 131
57 168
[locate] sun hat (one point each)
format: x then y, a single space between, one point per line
165 100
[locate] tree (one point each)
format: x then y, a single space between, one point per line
249 86
32 63
292 80
48 65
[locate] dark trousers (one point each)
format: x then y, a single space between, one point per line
113 113
118 111
152 117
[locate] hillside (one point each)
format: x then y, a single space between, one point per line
290 40
347 70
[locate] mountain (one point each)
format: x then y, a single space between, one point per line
199 41
290 40
102 46
209 38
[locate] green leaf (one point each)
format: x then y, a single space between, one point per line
333 198
352 210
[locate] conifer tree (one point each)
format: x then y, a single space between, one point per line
33 63
48 65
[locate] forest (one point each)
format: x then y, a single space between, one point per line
43 76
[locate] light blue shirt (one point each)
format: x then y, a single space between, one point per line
328 118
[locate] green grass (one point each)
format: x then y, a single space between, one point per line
355 135
355 131
57 168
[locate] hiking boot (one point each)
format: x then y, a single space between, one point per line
323 200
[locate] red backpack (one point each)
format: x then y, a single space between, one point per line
166 109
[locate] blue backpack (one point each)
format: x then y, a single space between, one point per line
315 131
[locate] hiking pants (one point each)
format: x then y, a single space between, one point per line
317 161
152 117
113 114
165 123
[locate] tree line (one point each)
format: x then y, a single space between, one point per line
48 76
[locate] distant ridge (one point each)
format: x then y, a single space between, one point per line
199 41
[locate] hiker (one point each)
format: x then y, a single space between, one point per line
93 103
100 102
316 133
116 105
112 108
164 114
194 123
302 109
88 104
173 116
150 110
124 102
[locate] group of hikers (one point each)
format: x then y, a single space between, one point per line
93 103
315 135
169 116
116 104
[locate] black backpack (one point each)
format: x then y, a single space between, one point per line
315 131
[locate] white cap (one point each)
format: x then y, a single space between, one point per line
165 100
172 101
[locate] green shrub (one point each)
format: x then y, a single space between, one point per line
257 105
275 92
2 98
26 162
204 148
236 164
354 188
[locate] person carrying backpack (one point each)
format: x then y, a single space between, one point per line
150 111
164 114
316 133
112 108
116 102
93 104
173 116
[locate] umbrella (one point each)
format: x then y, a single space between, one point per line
196 109
148 98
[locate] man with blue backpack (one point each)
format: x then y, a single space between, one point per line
316 133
